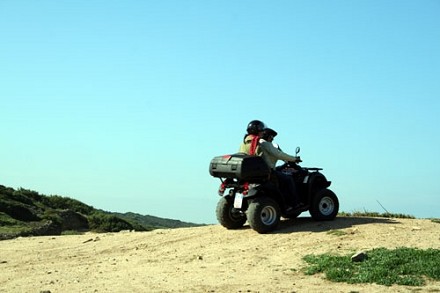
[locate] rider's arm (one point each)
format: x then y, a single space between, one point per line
274 152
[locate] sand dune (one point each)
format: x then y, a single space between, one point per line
204 259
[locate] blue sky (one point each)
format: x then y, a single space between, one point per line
122 104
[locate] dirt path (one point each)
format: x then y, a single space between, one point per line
204 259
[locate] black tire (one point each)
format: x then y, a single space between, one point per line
228 216
263 214
325 205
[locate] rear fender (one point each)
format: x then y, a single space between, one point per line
263 188
254 189
267 189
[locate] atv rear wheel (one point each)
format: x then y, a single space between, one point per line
263 214
325 205
228 216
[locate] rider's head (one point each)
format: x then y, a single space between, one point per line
268 134
255 127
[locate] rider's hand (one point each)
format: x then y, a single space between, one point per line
298 159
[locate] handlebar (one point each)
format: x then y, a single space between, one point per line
292 165
296 167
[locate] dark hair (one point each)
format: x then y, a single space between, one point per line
268 132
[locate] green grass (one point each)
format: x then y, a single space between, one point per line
337 232
374 215
71 232
401 266
14 229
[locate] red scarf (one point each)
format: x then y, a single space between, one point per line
254 144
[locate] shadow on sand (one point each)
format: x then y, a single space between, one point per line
307 224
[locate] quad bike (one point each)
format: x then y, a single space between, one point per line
258 199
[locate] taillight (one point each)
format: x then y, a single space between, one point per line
222 189
245 188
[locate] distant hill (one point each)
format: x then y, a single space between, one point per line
154 222
25 212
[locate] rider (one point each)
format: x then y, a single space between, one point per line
250 142
271 155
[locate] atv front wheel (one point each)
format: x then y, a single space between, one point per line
228 216
325 205
263 214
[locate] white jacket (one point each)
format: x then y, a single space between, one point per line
271 154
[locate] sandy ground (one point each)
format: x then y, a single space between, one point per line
204 259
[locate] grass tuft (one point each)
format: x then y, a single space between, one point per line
375 215
401 266
337 232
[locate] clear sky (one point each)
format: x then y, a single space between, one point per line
122 104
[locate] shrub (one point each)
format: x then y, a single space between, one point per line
26 195
59 202
53 216
6 190
18 210
6 220
101 222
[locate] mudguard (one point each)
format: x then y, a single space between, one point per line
316 181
